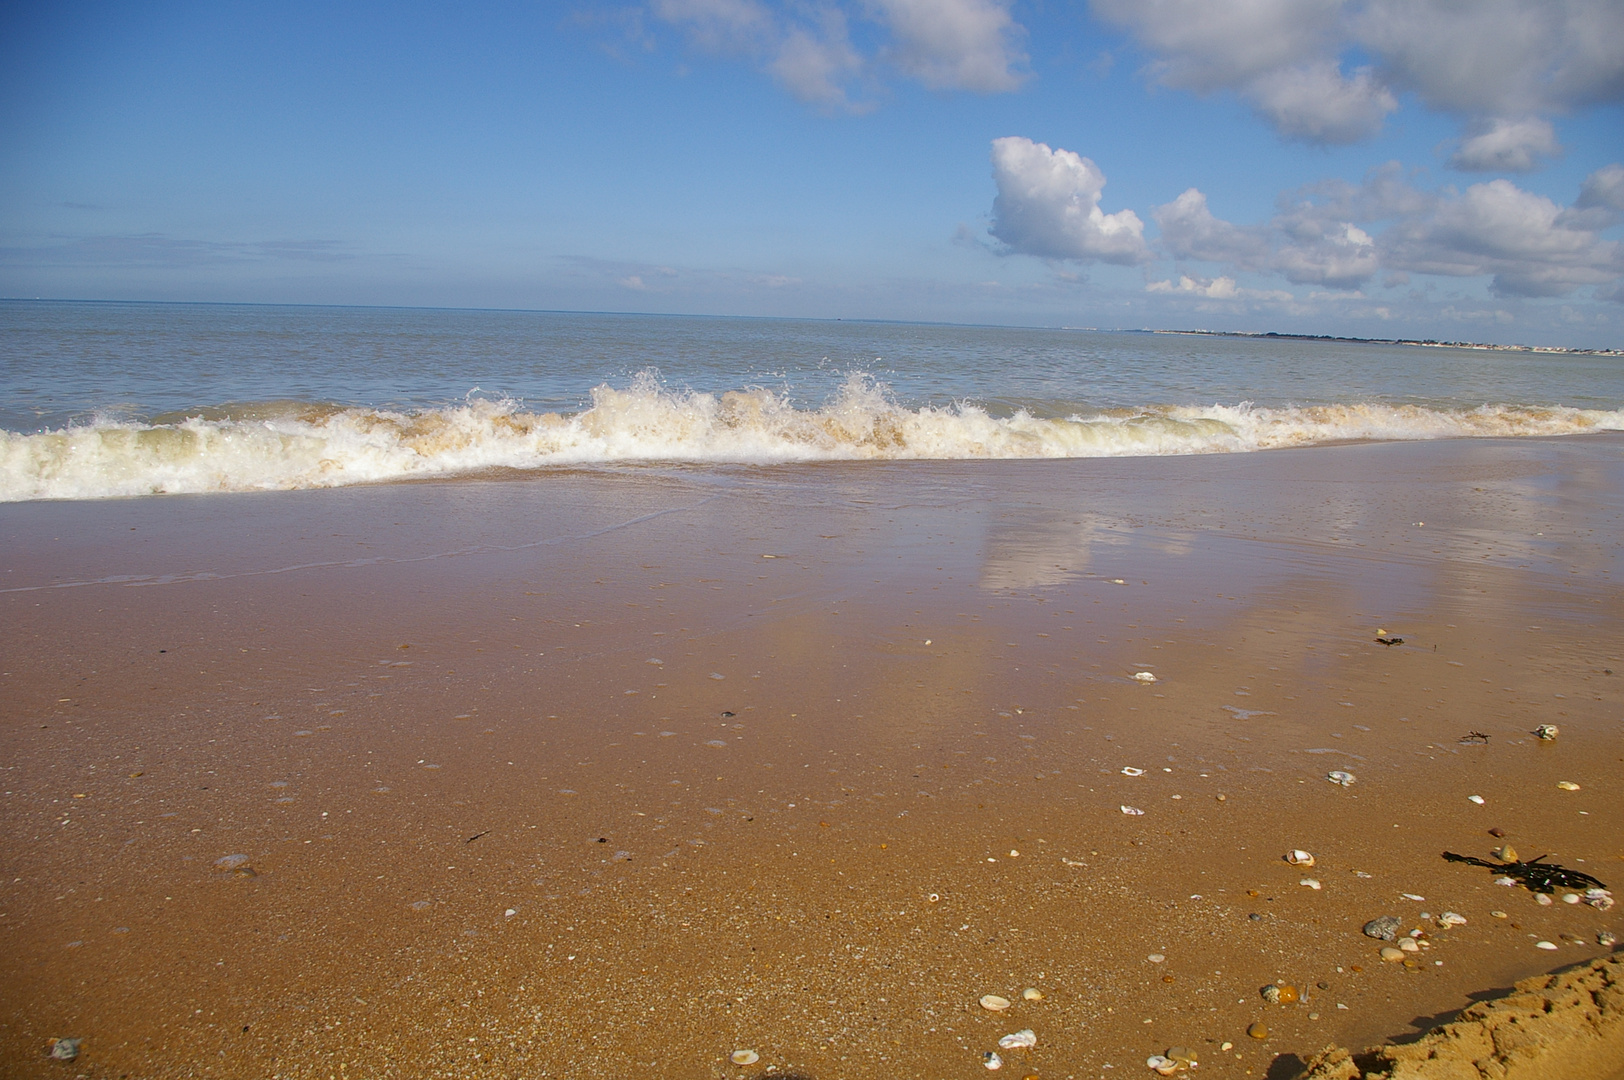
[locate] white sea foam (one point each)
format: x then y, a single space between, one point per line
287 446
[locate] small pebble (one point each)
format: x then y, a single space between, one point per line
1505 853
65 1049
744 1057
1258 1031
1497 831
1570 898
1227 1046
1391 955
994 1003
1385 928
1606 939
1408 945
1475 798
1155 958
1144 677
1499 915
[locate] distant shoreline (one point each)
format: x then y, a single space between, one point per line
1426 343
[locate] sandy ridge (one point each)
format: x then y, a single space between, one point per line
1565 1025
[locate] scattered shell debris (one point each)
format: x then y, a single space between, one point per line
994 1003
1341 776
744 1057
1450 918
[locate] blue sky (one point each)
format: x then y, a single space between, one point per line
1377 167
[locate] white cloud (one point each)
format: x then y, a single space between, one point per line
1506 146
1317 103
955 44
1219 288
1532 246
1048 206
1189 231
1477 59
1529 245
811 57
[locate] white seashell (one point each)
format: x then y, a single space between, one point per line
1165 1066
1299 857
1021 1040
1312 883
1499 914
1542 900
1547 731
994 1003
1475 798
1570 898
1600 899
1567 785
1341 776
744 1057
1032 993
1144 676
1129 770
1545 945
991 1060
1133 811
1156 958
1505 881
1450 918
1408 945
1412 896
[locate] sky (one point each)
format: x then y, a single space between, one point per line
1385 168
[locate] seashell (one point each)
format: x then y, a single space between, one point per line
994 1003
1567 785
1163 1066
1341 776
1129 770
1312 883
1547 731
1156 958
1226 1046
1133 811
1606 938
1299 857
1272 994
1450 918
1258 1031
991 1060
1144 677
65 1049
1545 945
1024 1039
1032 993
1570 898
1408 945
744 1057
1600 899
1179 1053
1412 896
1391 955
1505 881
1505 853
1499 915
1384 928
1542 899
1475 798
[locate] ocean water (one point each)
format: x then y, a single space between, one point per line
102 400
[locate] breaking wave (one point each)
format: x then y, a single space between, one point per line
282 446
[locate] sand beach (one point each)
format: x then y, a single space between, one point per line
619 772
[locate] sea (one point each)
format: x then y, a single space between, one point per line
121 400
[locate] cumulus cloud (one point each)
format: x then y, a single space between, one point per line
1048 205
1530 245
1484 60
1502 145
1219 288
955 44
944 44
1326 234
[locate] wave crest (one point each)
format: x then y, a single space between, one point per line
283 445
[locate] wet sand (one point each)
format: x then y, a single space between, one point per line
615 773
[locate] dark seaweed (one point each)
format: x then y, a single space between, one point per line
1535 875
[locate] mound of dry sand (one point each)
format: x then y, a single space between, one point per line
1568 1025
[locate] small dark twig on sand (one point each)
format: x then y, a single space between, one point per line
1534 875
